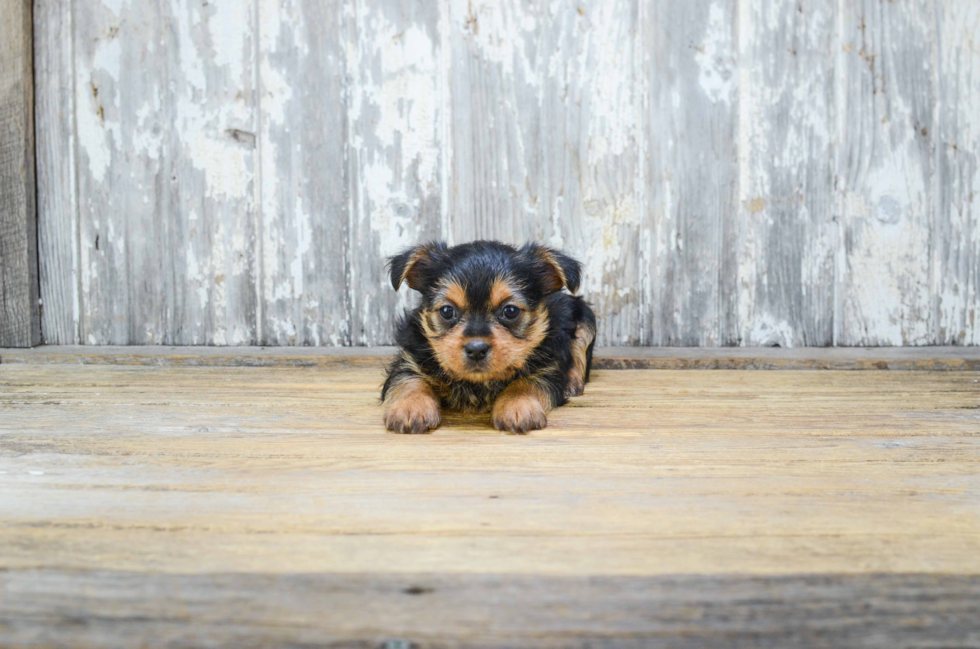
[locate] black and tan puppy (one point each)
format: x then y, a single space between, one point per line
494 332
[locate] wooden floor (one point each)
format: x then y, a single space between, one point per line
261 506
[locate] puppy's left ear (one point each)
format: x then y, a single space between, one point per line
412 265
557 269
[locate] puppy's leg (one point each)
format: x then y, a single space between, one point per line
410 405
523 406
579 372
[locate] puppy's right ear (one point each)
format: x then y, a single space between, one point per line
414 265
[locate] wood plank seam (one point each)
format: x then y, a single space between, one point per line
608 358
20 323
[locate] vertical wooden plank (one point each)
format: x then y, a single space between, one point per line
497 121
885 172
19 309
213 170
395 115
787 201
956 265
692 180
302 235
165 126
545 146
123 117
57 213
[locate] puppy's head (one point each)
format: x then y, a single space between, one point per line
482 302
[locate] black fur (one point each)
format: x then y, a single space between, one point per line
476 265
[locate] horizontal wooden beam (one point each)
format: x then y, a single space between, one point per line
20 320
606 358
122 609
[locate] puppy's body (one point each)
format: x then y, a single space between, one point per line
494 332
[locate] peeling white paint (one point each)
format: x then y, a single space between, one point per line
553 137
771 332
97 104
715 56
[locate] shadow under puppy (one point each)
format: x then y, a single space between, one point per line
494 332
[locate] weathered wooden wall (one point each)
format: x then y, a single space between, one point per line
754 172
20 322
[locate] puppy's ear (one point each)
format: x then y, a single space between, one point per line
556 269
414 264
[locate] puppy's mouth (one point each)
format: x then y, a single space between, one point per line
480 367
477 369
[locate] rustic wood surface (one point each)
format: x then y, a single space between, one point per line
732 172
245 506
20 324
58 243
422 611
635 358
787 203
956 256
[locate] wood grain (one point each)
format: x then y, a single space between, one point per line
211 79
238 505
690 131
301 241
546 149
731 173
606 358
163 251
956 266
56 176
20 324
126 609
885 172
787 201
396 81
206 470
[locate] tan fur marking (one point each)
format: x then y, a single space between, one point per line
408 275
580 345
410 406
557 281
509 353
455 294
500 292
522 407
448 349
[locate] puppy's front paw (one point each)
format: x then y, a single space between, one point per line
575 386
518 414
414 413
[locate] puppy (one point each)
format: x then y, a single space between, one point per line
494 332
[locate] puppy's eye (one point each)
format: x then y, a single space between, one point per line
510 312
447 313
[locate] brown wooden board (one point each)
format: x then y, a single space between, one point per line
20 324
238 506
676 358
42 607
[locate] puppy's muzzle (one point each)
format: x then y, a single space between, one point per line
476 350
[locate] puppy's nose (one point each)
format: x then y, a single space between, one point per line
476 350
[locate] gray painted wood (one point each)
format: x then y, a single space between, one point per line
301 240
395 51
545 149
943 359
885 172
732 172
956 267
19 308
787 202
97 608
164 111
690 132
56 140
211 73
